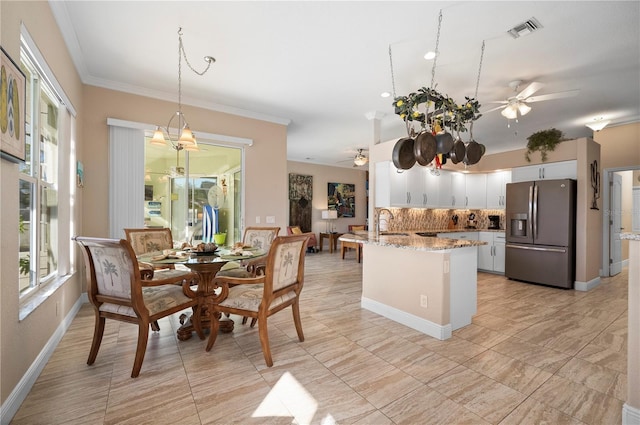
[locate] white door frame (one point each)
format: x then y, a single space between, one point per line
606 196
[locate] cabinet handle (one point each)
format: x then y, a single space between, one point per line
466 201
408 198
453 200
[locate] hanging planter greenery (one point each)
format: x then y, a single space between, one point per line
543 141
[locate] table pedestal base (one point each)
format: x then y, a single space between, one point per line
185 331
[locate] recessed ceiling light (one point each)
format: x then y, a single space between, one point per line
429 55
385 94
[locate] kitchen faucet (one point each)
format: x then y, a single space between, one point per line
378 219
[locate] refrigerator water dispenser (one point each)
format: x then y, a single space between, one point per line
518 225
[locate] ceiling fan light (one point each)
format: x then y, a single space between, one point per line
360 160
524 109
158 138
510 112
598 124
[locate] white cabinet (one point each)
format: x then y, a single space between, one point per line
476 191
491 256
411 188
452 190
550 171
497 189
472 236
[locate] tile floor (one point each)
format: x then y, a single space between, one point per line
533 355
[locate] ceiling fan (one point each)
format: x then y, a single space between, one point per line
518 104
359 159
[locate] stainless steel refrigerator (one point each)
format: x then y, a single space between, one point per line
540 231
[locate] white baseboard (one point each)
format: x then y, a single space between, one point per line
630 415
586 286
20 392
422 325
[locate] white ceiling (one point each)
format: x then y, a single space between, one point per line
320 66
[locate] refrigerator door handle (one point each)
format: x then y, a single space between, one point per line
535 212
536 248
529 232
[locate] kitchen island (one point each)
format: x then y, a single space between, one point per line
422 281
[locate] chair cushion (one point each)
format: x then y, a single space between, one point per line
249 297
156 298
230 266
236 272
295 230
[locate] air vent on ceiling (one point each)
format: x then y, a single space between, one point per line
525 28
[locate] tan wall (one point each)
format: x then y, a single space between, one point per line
627 207
323 175
265 167
588 221
620 146
22 341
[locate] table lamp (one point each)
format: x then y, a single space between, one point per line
329 215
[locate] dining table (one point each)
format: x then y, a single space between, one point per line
206 265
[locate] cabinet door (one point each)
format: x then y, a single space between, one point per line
485 252
431 189
398 186
415 186
458 190
560 170
525 174
445 188
383 185
498 252
476 190
496 189
473 236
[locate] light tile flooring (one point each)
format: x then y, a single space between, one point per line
532 355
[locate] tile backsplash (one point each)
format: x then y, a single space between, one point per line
435 219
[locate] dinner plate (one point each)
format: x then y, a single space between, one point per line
204 253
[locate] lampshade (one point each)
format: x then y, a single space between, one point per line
158 138
192 148
329 214
523 108
360 160
598 124
510 112
186 138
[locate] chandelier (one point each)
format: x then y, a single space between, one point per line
184 137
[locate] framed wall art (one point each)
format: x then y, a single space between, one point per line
12 110
300 196
342 198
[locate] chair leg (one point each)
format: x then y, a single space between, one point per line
342 250
296 319
264 339
98 331
213 332
143 337
155 326
244 320
253 322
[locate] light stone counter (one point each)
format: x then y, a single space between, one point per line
424 282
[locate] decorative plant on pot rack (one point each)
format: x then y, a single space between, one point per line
543 141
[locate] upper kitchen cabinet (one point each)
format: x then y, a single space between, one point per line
497 189
452 190
550 171
411 188
476 191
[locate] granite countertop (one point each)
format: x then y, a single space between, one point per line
409 240
630 236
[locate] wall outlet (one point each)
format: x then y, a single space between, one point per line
271 219
423 301
257 219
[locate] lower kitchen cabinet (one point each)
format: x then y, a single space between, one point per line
491 256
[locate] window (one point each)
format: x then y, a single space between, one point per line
40 178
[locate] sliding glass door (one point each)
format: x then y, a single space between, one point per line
179 186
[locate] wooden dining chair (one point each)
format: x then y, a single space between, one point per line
262 296
146 240
119 290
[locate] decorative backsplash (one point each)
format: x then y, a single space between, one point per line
437 219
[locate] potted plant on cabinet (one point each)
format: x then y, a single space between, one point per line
543 141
